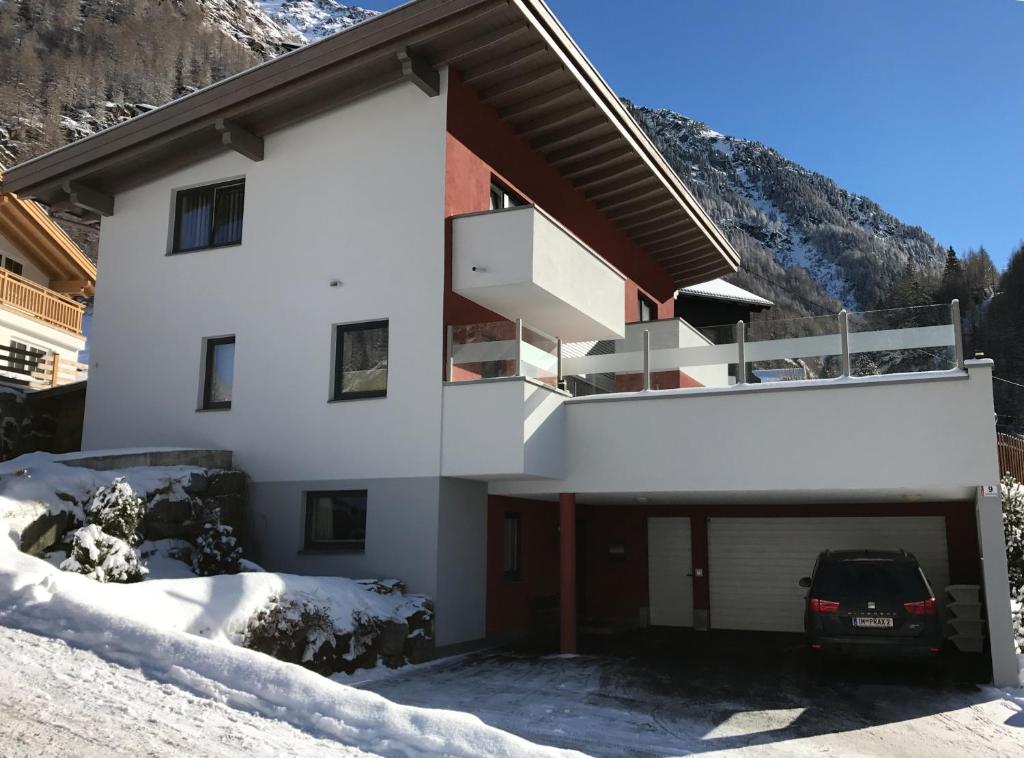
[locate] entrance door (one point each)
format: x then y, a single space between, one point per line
670 568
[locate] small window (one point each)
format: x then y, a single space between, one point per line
336 520
512 545
219 373
23 358
502 197
13 266
360 360
648 310
209 216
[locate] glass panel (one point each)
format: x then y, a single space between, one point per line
227 226
902 340
483 351
193 219
586 369
364 359
221 372
540 356
337 517
793 349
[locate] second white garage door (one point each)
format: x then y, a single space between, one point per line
755 564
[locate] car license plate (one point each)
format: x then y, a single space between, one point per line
881 622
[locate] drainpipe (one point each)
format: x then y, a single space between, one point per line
647 359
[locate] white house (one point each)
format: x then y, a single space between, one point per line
419 277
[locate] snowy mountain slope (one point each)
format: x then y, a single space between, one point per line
312 19
787 221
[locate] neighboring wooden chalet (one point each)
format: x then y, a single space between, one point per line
718 302
42 271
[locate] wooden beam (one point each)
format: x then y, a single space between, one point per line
480 43
642 218
569 133
538 102
641 202
611 175
682 228
661 207
418 71
586 148
71 286
674 241
599 163
473 76
89 199
238 139
629 185
555 118
520 81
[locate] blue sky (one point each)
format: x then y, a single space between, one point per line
918 104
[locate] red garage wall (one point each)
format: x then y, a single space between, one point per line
615 583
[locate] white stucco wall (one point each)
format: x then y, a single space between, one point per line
354 195
913 437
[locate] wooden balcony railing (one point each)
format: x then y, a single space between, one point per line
39 302
38 369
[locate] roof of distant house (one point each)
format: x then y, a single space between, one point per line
719 289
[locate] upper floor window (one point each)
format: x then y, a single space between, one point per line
648 310
218 373
12 265
503 197
209 216
360 360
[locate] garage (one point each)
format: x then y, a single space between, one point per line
670 569
756 563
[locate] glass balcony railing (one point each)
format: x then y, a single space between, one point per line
671 354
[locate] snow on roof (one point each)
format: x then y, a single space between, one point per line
719 289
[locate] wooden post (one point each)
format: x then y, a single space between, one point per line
55 367
567 570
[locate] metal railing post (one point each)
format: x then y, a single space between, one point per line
844 339
519 347
741 353
558 372
449 360
958 337
647 359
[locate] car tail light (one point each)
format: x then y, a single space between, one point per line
921 607
818 605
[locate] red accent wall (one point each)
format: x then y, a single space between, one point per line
616 587
479 146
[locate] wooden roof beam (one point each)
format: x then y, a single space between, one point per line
629 186
589 147
473 76
539 102
238 139
418 71
637 202
569 133
682 226
639 219
597 163
553 119
480 43
673 241
608 175
520 81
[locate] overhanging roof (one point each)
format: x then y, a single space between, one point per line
517 56
719 289
39 238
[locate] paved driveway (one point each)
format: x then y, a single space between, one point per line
749 694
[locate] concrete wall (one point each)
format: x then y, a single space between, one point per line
460 599
354 195
916 436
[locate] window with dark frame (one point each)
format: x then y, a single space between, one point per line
502 197
648 310
23 358
360 360
219 373
512 545
208 217
336 520
13 266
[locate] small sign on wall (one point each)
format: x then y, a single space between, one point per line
989 490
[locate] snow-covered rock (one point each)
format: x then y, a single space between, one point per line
313 19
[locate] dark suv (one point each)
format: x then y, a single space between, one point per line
871 601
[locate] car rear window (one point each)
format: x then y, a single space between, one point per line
860 579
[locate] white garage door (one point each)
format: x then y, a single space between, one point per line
755 564
669 568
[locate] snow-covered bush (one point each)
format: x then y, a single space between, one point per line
217 551
1013 529
291 629
117 510
103 557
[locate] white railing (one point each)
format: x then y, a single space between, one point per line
848 344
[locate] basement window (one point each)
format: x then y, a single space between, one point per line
336 520
208 217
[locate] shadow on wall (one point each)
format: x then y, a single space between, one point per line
41 420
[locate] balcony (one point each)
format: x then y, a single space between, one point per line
40 303
522 264
817 404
